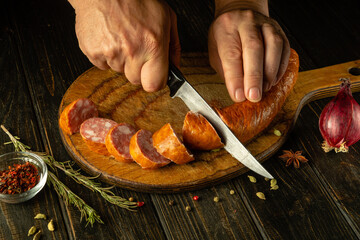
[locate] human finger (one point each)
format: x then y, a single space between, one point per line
273 44
253 58
154 73
99 62
214 58
230 57
132 70
284 59
114 58
97 59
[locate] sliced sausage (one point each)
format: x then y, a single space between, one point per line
247 119
198 133
75 114
143 151
168 144
117 141
93 131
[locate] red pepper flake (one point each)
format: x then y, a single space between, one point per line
195 198
18 178
139 204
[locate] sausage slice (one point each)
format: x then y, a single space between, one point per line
75 114
143 151
170 146
117 141
93 131
198 133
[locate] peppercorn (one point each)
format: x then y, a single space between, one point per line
216 199
188 208
195 198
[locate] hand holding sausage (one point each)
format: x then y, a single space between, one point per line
131 36
247 48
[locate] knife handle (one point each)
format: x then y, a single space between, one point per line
176 79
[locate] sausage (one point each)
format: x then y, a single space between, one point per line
143 151
247 119
198 133
168 144
93 131
117 142
75 114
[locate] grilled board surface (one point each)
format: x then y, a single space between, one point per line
117 99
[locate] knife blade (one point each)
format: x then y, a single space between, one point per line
180 87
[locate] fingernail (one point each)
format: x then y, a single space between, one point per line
239 95
254 94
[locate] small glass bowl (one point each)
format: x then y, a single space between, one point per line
8 159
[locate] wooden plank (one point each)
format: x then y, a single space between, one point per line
194 19
16 113
207 219
333 34
339 173
300 207
327 30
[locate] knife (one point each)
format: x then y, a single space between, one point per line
181 88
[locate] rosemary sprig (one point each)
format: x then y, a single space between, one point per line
89 182
70 197
19 146
64 192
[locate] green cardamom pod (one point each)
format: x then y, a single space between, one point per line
40 216
32 230
51 226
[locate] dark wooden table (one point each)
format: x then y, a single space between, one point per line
40 58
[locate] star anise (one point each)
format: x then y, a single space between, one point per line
291 157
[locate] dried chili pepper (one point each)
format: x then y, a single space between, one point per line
18 178
140 204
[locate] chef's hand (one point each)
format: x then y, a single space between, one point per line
247 48
132 36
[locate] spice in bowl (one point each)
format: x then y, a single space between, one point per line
18 178
22 176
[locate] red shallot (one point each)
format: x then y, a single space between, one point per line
340 120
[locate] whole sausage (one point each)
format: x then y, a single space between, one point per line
144 153
247 119
117 142
168 144
93 131
75 114
199 134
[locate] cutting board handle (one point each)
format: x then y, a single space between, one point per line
324 82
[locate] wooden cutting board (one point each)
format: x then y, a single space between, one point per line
117 99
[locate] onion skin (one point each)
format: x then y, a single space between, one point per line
339 121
